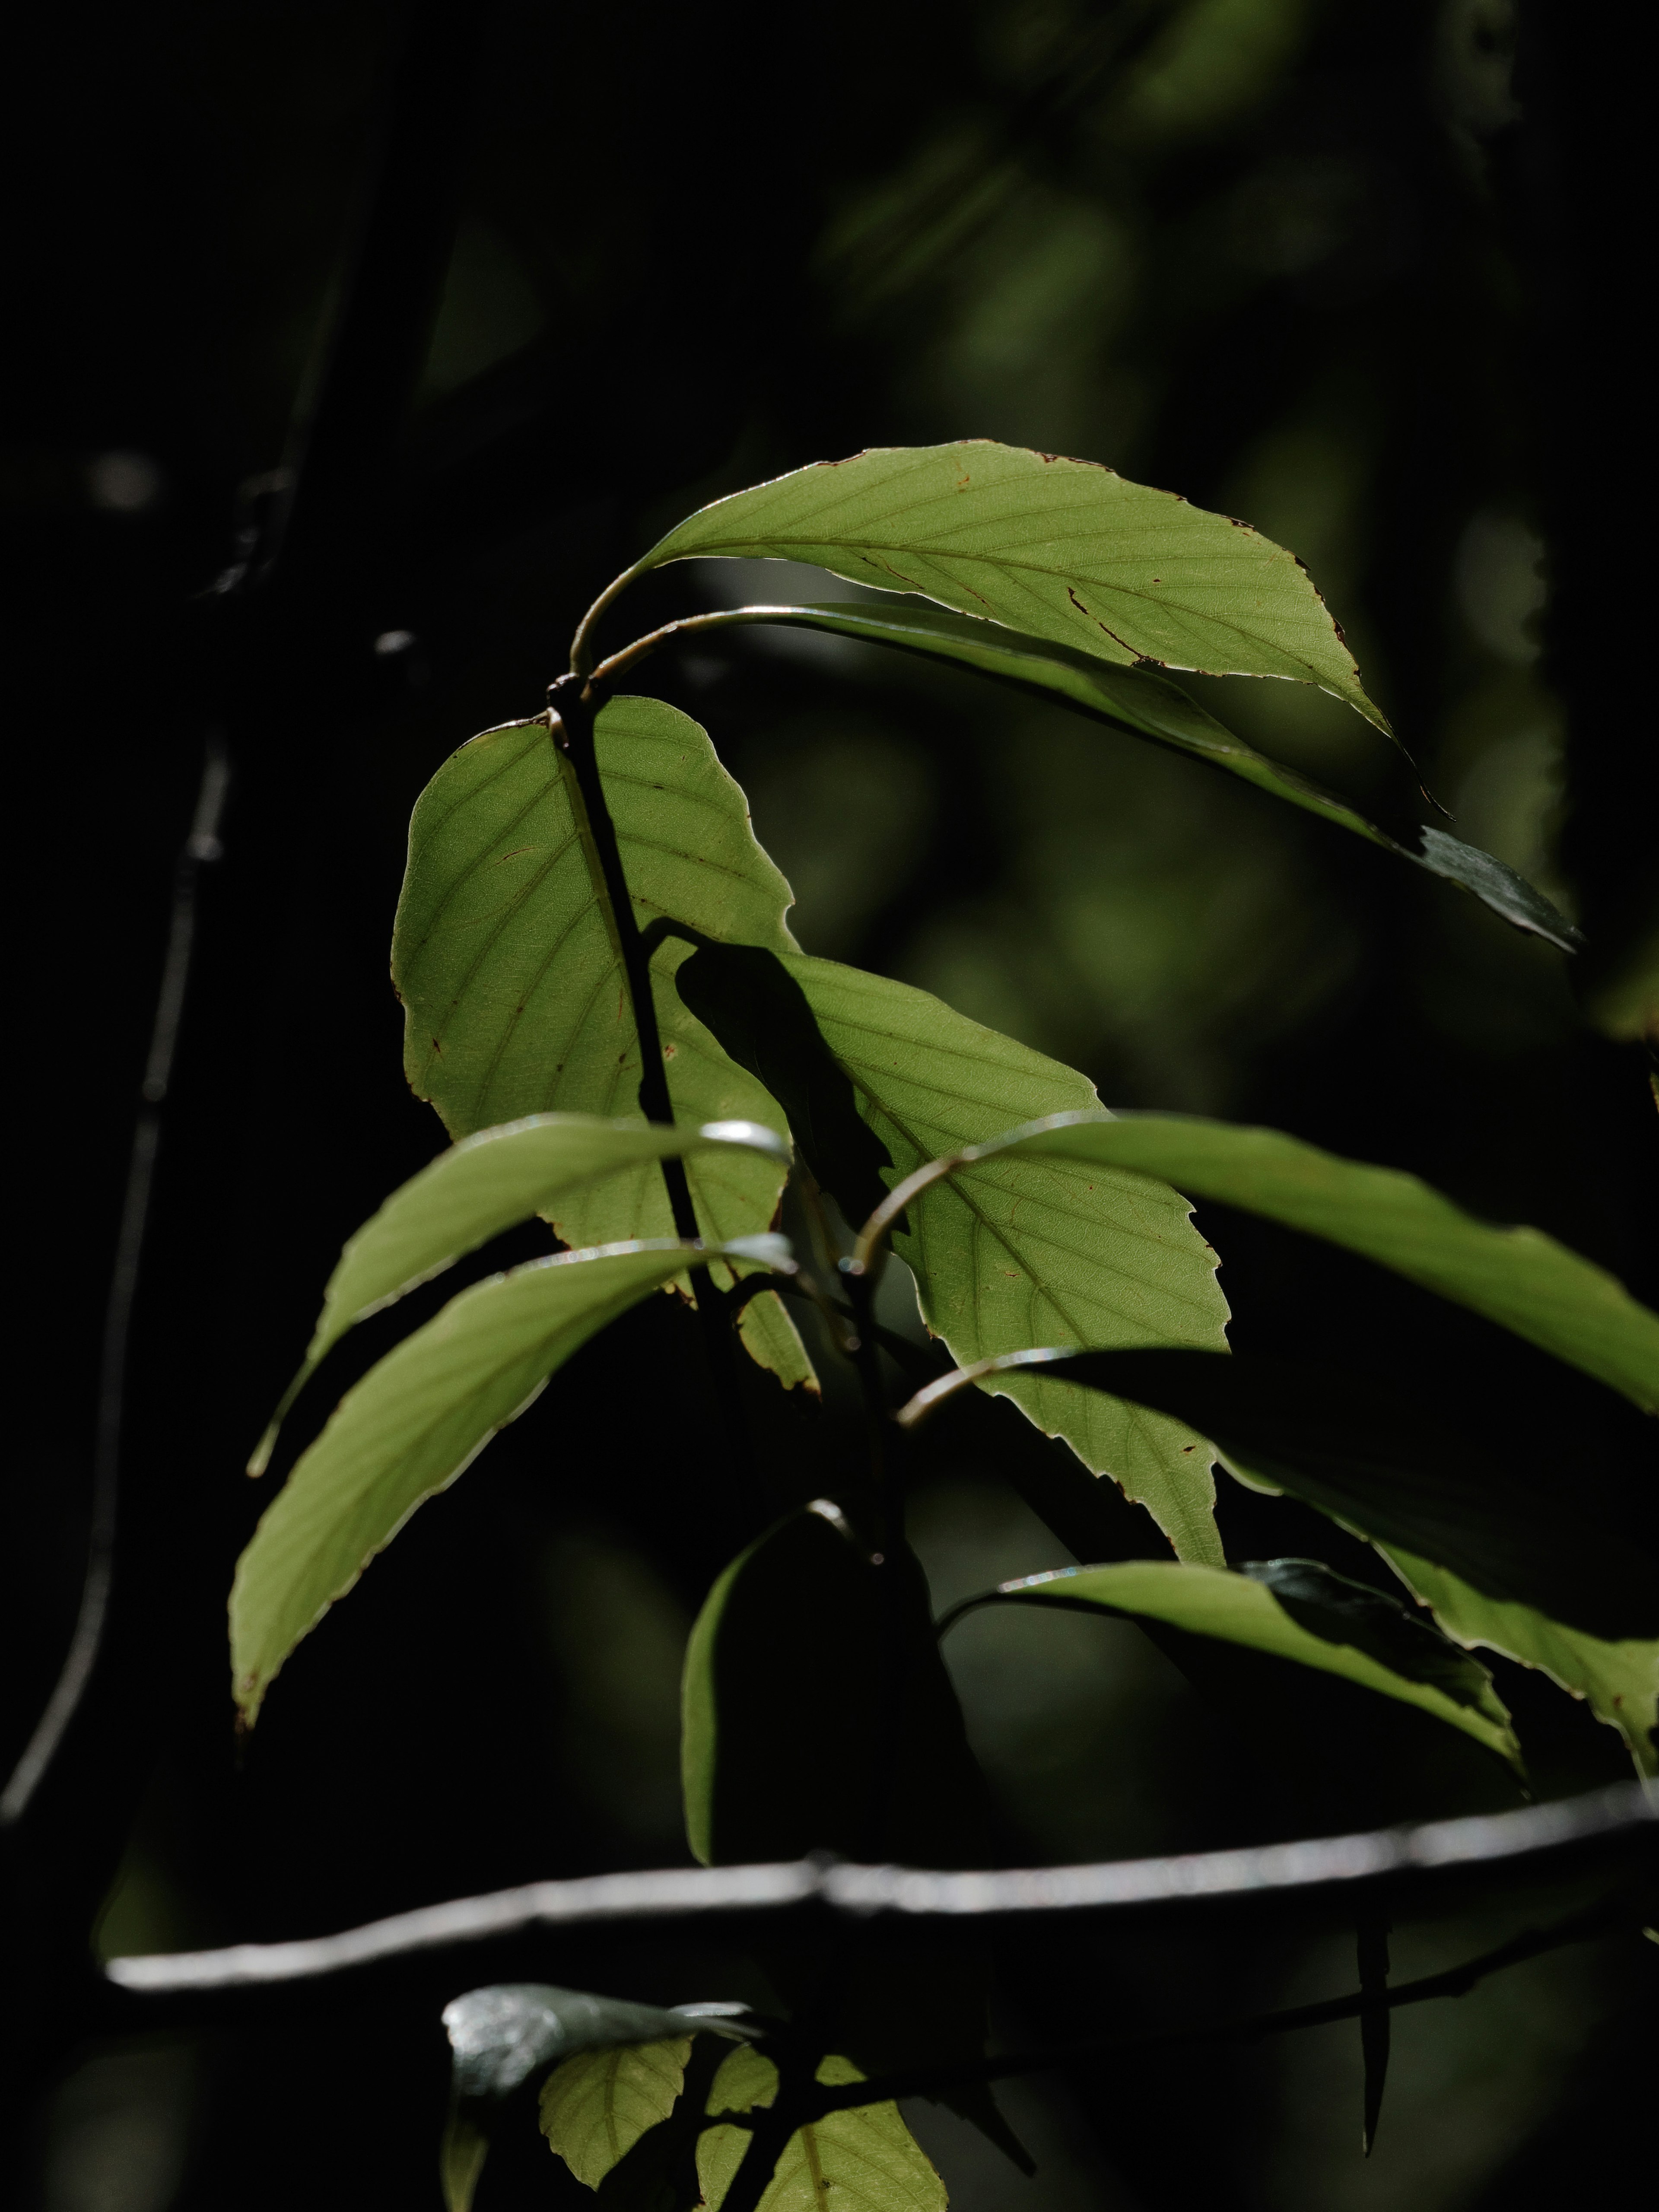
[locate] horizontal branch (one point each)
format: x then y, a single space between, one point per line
1626 1809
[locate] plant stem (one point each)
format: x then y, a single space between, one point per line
574 715
581 645
1603 1918
671 632
887 1478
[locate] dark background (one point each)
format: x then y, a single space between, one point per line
1357 272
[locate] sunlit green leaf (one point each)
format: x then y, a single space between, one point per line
1519 1277
1017 1252
1619 1680
410 1427
863 2159
595 2107
1292 1609
1059 549
795 1736
504 956
479 1187
1134 698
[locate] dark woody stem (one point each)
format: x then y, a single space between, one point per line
572 718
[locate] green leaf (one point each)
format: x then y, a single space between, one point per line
1060 549
485 1184
1365 1450
772 1340
595 2106
818 1714
1291 1609
1619 1679
409 1428
1014 1253
506 961
1564 1305
863 2159
1133 698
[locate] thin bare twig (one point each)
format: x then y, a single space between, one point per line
1626 1810
201 849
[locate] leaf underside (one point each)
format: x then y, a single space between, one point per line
1060 549
1138 700
413 1423
1015 1254
1518 1277
515 999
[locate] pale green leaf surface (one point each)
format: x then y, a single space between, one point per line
1296 1610
505 960
1133 698
863 2159
772 1340
1063 550
595 2106
1018 1253
482 1185
415 1421
1519 1277
1619 1680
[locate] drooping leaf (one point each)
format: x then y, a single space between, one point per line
1518 1277
1137 699
817 1712
1371 1452
1619 1680
772 1340
1018 1253
410 1427
508 967
862 2160
1292 1609
595 2106
1058 549
482 1185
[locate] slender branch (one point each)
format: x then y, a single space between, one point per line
1601 1919
581 645
670 634
1628 1810
201 849
930 1397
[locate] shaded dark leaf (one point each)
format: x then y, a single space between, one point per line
817 1713
745 997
